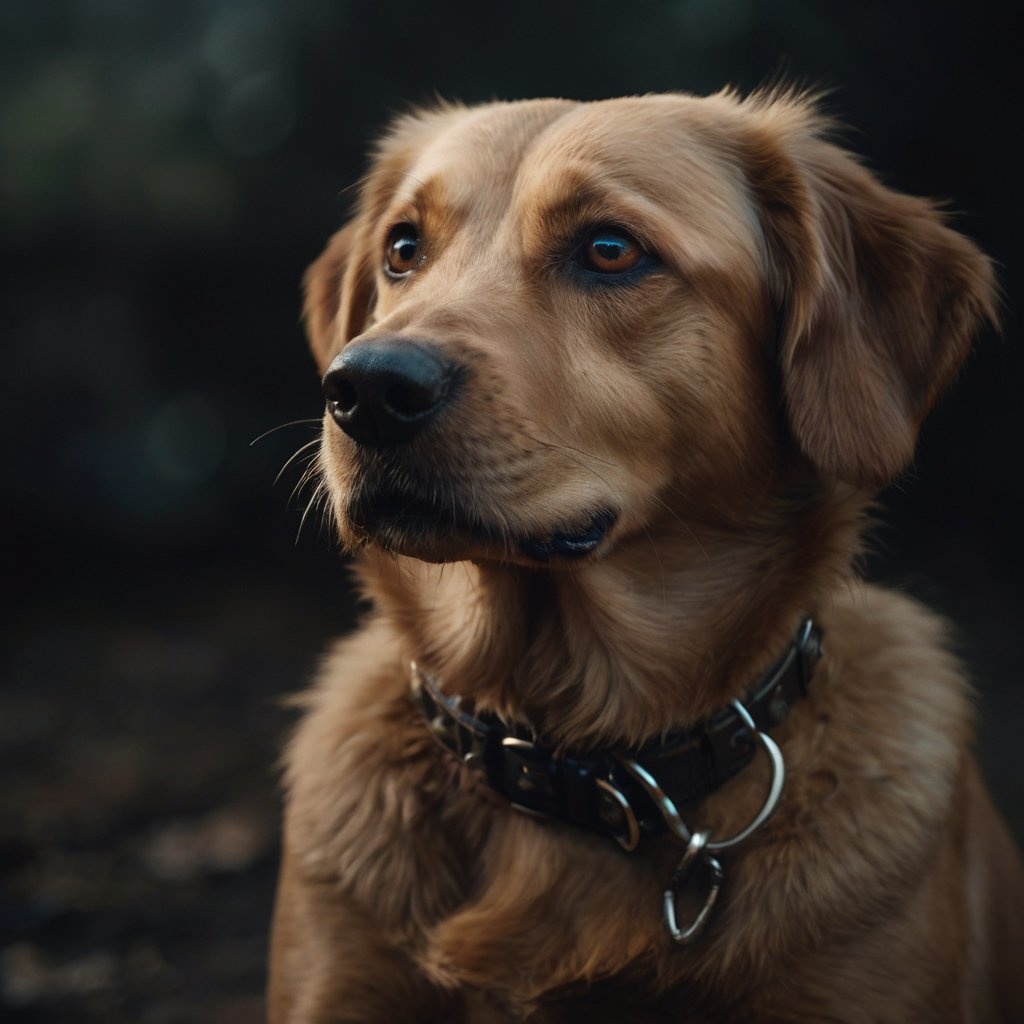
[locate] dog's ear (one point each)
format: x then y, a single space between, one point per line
338 292
878 299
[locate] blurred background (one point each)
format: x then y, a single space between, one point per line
167 171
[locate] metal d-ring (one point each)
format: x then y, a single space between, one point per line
670 813
662 801
694 854
630 840
774 790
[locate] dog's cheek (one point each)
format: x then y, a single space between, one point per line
719 418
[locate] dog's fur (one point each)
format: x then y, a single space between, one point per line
735 404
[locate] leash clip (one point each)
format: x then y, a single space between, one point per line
694 856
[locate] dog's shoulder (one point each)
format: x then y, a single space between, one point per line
889 715
364 785
892 659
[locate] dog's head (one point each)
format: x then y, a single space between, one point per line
551 323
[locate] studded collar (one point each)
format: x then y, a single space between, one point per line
620 794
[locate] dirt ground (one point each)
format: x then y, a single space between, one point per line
139 729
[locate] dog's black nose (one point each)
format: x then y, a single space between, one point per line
385 391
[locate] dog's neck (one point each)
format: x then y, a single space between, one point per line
657 635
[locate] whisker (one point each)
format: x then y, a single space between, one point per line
323 509
274 430
304 448
569 448
683 523
577 455
307 475
305 515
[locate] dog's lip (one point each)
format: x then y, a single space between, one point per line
412 523
567 543
374 510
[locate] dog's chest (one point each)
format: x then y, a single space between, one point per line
384 818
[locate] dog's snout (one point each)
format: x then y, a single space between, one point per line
386 391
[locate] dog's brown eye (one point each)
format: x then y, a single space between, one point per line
402 252
611 252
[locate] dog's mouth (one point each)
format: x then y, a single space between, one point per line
569 543
440 529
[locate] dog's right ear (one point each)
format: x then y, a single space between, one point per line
338 292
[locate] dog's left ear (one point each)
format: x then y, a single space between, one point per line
879 300
338 293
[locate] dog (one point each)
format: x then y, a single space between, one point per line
609 388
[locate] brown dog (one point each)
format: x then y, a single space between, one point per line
609 388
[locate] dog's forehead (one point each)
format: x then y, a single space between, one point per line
673 152
482 149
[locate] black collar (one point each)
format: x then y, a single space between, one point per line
597 791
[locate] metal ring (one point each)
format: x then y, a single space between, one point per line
774 789
680 878
659 796
632 838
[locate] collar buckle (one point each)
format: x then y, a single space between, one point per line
527 777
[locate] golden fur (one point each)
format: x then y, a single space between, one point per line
736 405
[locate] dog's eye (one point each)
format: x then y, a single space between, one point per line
610 251
402 251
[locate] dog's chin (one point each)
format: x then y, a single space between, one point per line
422 528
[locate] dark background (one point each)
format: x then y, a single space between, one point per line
166 173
